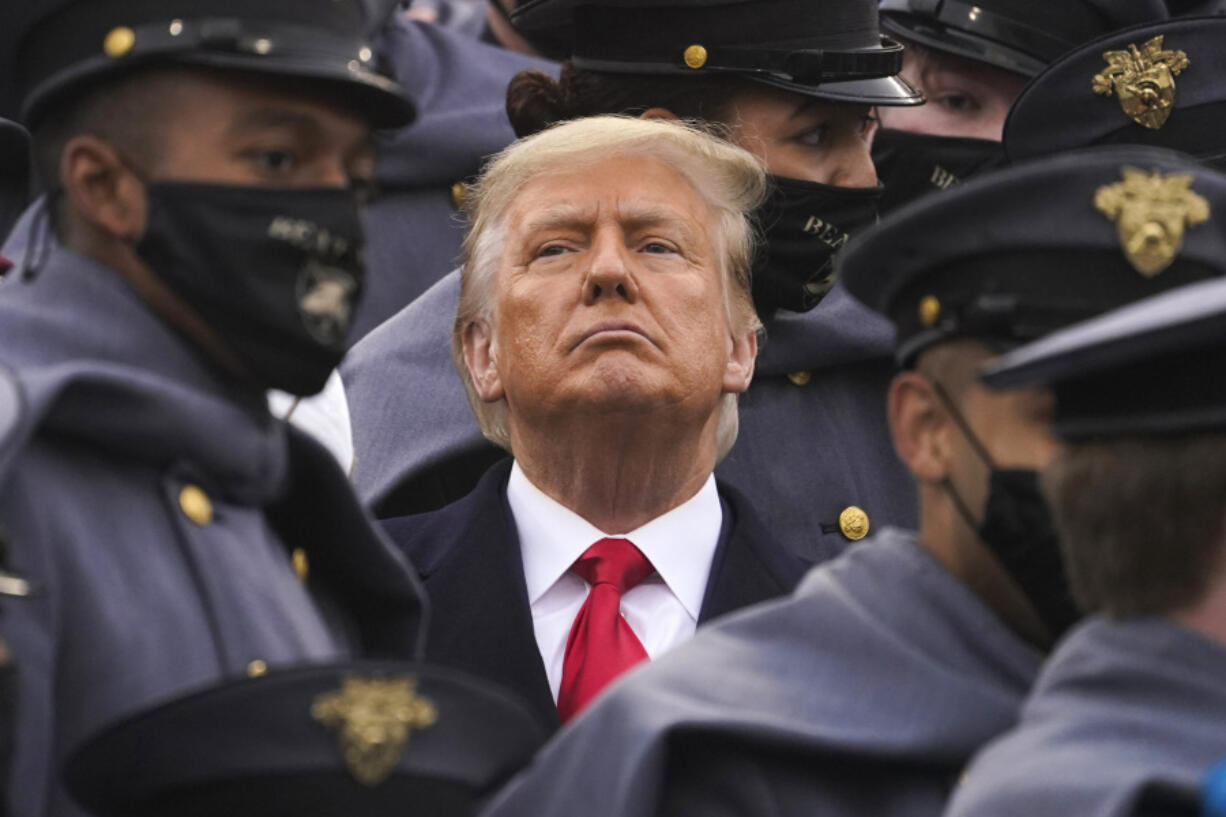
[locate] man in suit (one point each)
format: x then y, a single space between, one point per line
1131 707
604 330
868 690
201 243
797 93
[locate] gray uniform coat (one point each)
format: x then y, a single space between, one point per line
1121 708
813 436
864 693
459 85
159 507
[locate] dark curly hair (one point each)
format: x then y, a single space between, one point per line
536 100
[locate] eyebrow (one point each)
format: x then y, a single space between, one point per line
268 118
807 105
632 216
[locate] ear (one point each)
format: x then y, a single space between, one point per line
738 373
102 190
920 426
480 356
658 113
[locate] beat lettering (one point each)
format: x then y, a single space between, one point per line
942 178
827 233
307 236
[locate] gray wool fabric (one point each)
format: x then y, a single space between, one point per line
1121 706
106 416
865 692
807 449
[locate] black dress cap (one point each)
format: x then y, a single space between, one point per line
1021 36
367 739
1156 367
1013 255
56 47
831 49
1158 84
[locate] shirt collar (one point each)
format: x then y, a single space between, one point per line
680 544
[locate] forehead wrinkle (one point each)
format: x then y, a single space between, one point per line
555 216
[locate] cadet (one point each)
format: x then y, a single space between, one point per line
868 690
814 453
970 60
202 243
1132 703
364 739
1158 84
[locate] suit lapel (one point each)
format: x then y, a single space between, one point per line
480 618
749 566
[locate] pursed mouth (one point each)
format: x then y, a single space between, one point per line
611 328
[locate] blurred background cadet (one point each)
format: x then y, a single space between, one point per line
971 60
814 453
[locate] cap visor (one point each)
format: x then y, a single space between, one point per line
882 91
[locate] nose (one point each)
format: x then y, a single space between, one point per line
609 274
854 167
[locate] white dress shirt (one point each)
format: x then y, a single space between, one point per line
662 610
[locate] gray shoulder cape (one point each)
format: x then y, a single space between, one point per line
1120 706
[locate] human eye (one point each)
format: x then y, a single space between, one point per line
957 102
273 161
815 137
551 250
868 124
657 248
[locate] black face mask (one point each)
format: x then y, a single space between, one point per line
1018 528
911 165
804 224
276 274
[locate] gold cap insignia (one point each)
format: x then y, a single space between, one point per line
374 716
1144 81
1151 211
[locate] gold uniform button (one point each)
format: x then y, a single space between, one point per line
929 311
256 668
196 505
459 192
695 56
119 42
853 522
302 565
800 378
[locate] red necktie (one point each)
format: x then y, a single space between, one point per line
601 645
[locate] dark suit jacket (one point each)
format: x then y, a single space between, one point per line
468 557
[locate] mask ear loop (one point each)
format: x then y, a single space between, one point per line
959 504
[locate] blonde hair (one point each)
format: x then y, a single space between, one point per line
730 180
